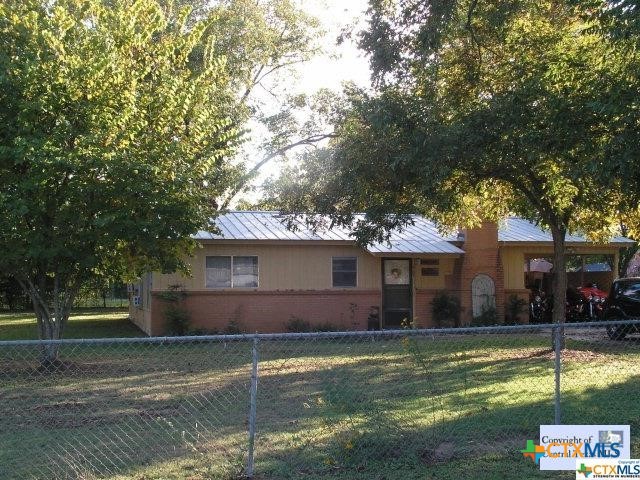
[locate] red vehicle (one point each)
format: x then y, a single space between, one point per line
594 299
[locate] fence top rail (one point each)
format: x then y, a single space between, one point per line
496 329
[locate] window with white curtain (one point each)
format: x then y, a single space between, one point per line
231 271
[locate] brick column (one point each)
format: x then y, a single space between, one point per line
481 257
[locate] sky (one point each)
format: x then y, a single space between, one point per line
341 63
327 71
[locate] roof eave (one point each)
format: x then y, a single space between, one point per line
416 254
538 243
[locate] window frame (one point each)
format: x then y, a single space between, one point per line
344 257
232 286
148 284
138 290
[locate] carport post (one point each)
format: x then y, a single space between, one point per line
253 393
557 333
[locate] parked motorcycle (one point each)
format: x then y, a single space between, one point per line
594 299
582 304
575 306
538 308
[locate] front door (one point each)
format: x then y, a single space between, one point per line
396 292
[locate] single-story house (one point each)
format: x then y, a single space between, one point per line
258 274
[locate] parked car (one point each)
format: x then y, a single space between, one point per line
623 303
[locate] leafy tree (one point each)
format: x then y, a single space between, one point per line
12 294
620 104
265 41
121 121
99 289
480 109
111 134
303 122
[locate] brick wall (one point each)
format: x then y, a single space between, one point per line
268 311
481 257
423 315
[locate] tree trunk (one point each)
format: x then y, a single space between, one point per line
51 316
559 278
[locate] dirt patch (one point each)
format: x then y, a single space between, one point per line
441 454
549 354
526 354
574 355
76 421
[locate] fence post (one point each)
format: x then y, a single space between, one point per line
557 332
253 393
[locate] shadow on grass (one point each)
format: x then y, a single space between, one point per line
380 409
83 323
479 445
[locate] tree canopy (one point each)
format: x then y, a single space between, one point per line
120 120
480 109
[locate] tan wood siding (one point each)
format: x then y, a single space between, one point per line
444 266
282 267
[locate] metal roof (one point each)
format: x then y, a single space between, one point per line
517 230
414 246
421 237
250 225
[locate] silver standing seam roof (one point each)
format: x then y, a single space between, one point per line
519 230
421 237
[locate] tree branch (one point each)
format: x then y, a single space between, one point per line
310 140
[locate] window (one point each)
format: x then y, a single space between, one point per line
432 269
231 272
147 289
483 294
429 261
137 294
245 272
629 290
218 274
345 271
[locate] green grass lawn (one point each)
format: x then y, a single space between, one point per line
395 409
83 323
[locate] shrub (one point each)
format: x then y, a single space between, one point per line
178 320
489 316
198 332
176 315
446 310
514 308
325 327
297 325
233 328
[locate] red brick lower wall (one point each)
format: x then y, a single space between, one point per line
423 307
269 311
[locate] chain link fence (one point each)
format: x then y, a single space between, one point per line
98 302
14 299
386 405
